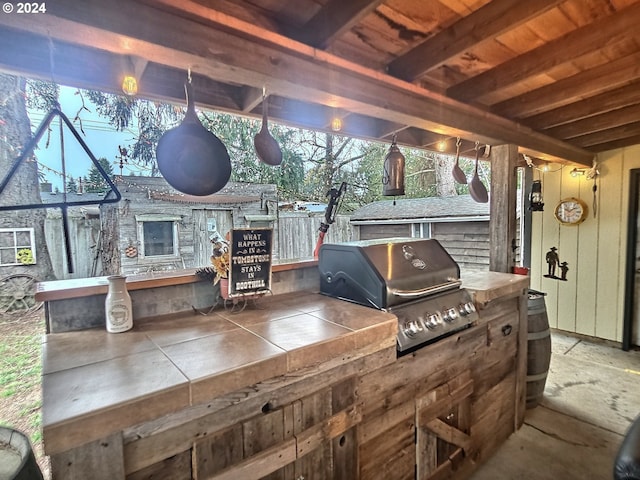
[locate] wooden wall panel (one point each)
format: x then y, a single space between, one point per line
586 272
592 302
568 252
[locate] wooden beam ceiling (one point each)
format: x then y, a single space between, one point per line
552 76
485 23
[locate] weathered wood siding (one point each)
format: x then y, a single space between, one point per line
84 240
371 232
238 203
298 234
466 242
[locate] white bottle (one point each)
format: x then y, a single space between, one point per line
118 311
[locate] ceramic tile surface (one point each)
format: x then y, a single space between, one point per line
176 330
214 354
261 312
298 331
61 351
355 318
116 382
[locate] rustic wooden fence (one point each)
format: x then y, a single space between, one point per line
297 234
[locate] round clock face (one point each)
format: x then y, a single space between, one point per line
571 211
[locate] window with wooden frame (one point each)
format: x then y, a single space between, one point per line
158 236
17 246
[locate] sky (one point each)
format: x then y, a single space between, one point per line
101 138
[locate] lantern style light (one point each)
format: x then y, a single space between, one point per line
130 85
535 197
393 173
336 124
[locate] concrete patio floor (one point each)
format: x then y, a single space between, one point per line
591 396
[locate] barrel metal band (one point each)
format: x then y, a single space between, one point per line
535 378
538 335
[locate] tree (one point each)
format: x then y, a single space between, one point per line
23 188
96 183
72 186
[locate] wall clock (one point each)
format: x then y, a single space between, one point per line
571 211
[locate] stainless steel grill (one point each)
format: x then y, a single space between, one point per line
415 279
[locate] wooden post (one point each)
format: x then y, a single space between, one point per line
502 222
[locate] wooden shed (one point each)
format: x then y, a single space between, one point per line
155 227
459 223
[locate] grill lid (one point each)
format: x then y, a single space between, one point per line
385 272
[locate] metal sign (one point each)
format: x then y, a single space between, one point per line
250 270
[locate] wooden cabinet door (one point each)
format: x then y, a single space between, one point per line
443 424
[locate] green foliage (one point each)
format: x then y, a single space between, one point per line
313 162
96 182
42 95
72 186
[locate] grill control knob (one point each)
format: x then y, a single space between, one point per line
450 315
412 328
467 308
432 321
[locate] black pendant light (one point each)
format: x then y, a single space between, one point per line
393 173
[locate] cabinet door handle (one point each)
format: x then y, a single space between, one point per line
506 330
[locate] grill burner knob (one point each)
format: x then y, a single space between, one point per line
450 315
412 328
432 321
467 308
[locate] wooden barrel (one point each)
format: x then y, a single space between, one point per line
538 348
17 461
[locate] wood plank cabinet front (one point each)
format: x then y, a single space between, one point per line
438 412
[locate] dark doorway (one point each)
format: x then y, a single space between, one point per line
630 330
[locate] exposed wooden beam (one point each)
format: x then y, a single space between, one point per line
612 100
251 98
487 22
609 30
332 20
596 123
502 222
567 90
239 53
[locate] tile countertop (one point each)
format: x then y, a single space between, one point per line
96 383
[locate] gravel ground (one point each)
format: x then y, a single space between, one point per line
20 377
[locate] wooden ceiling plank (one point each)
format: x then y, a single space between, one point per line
615 144
333 20
605 102
487 22
581 41
288 68
596 123
617 133
567 90
251 97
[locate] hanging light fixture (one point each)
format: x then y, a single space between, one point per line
132 71
535 197
129 85
393 173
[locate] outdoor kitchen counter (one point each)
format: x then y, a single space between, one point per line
96 383
488 286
